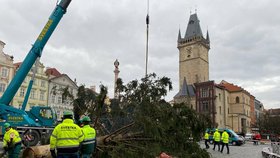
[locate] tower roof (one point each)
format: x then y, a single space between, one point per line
207 37
193 29
179 35
186 90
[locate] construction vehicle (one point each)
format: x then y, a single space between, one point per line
39 122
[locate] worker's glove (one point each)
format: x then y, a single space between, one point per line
53 153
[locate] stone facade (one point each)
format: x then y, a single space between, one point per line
57 84
6 69
228 105
193 54
239 114
193 62
39 92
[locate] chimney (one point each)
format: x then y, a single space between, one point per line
2 44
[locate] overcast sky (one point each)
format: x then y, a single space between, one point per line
244 36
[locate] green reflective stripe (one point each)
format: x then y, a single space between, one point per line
54 136
67 138
69 146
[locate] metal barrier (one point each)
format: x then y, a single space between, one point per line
273 151
275 147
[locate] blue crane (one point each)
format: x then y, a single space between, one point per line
31 123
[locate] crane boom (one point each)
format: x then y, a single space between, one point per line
35 52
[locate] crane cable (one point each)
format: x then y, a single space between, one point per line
147 37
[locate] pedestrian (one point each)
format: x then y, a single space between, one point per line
225 140
258 138
66 138
206 138
89 143
217 138
12 141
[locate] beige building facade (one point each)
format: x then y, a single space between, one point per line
6 69
39 92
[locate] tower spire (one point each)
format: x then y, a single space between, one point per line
207 37
179 35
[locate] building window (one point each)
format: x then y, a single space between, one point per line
43 84
32 94
227 99
2 87
220 96
220 109
228 110
4 72
205 106
42 95
204 92
59 100
237 100
34 81
22 92
53 98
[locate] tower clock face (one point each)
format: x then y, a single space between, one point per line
189 50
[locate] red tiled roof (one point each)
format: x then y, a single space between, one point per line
53 71
231 87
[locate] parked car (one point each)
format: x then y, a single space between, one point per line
234 139
248 136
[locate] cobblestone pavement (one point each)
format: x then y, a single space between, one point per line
247 150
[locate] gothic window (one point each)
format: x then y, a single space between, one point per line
237 99
220 96
205 106
204 93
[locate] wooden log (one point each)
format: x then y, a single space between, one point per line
42 151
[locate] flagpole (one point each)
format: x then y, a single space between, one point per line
147 38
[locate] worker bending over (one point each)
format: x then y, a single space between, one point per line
11 142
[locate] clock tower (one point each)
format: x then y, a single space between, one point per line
193 54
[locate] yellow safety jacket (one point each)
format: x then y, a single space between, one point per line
11 138
225 137
206 136
89 141
66 137
217 136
